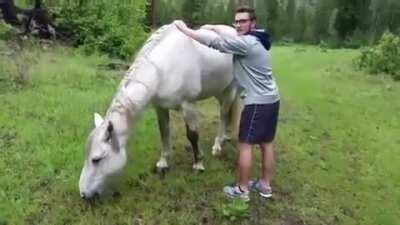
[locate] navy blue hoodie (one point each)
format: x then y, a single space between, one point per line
263 37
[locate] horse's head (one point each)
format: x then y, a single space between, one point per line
104 159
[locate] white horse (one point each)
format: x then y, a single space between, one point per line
171 71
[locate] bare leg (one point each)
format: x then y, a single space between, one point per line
267 150
245 162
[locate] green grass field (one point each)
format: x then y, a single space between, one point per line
338 144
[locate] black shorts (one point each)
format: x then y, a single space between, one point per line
258 123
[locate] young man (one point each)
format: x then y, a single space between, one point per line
253 73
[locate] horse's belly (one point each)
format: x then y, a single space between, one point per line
216 74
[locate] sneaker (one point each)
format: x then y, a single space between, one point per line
264 191
235 192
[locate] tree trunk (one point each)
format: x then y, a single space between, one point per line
154 20
34 21
246 2
9 12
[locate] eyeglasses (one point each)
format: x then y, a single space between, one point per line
242 21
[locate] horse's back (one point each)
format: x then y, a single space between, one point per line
190 71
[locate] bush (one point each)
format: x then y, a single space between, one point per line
7 32
383 58
105 26
235 210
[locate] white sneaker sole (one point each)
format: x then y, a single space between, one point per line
265 195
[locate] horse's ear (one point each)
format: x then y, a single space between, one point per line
98 120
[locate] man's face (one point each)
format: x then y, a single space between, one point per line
243 23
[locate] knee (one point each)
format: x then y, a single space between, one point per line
191 133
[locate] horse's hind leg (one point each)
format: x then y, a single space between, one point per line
226 102
191 122
163 123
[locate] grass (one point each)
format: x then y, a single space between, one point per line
337 147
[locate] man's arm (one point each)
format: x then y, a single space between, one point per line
224 41
220 29
195 34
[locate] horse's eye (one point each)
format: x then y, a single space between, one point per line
96 161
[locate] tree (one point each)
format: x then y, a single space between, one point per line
192 11
300 24
290 12
230 11
151 19
36 20
246 2
9 12
393 15
352 15
272 17
321 19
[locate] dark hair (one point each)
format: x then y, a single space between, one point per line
247 9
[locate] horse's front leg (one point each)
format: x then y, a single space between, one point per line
191 121
163 124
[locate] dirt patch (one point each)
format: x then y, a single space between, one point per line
292 219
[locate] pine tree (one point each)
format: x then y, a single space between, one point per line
290 12
272 17
321 19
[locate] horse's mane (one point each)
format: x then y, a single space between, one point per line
154 40
148 46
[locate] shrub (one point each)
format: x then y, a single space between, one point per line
382 58
235 210
105 26
6 31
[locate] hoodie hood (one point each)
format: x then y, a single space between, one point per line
263 37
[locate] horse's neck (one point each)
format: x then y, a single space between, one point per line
135 92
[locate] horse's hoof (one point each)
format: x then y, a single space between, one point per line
216 151
227 138
198 167
198 171
161 171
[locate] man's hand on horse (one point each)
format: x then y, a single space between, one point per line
180 25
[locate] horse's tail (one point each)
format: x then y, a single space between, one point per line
234 113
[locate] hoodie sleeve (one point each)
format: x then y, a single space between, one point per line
224 42
231 44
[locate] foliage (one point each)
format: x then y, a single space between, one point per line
104 26
382 58
347 18
7 32
341 23
193 11
235 210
